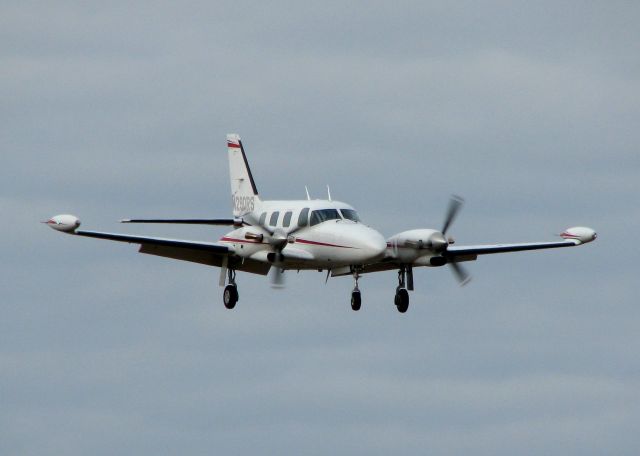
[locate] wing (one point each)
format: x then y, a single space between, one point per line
208 253
454 254
485 249
457 254
571 237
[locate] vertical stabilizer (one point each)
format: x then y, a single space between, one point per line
244 193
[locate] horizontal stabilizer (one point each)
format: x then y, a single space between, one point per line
220 222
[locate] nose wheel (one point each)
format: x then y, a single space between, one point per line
356 298
230 294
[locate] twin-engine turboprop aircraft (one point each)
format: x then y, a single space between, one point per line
322 235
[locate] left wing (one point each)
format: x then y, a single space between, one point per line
572 237
423 255
485 249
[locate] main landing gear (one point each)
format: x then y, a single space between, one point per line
405 282
230 294
401 299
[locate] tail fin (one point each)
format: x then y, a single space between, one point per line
244 193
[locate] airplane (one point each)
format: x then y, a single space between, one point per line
322 235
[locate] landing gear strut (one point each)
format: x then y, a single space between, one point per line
401 299
356 299
230 294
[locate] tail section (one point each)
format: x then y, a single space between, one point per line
244 193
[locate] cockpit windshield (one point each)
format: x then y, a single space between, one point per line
323 215
350 214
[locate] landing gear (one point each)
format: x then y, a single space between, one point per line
356 299
401 300
230 294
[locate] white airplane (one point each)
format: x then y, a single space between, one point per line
323 235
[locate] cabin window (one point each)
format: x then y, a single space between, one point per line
263 219
286 221
274 218
303 218
323 215
350 214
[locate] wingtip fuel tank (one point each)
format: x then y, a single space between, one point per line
579 233
65 222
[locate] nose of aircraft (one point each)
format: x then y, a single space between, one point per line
370 243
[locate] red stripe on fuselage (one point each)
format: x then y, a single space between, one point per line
246 241
301 241
234 145
324 244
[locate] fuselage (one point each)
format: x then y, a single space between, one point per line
319 234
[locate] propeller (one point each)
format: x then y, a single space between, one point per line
276 276
278 240
455 204
461 273
440 243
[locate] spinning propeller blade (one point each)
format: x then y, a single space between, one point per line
278 239
276 276
461 273
455 204
454 207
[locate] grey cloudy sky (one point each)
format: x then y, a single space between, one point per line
528 109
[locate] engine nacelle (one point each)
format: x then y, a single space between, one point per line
579 233
410 245
412 238
65 222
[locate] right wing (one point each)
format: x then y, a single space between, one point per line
208 253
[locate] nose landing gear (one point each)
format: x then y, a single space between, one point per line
356 299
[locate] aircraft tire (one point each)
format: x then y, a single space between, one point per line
230 296
356 301
402 300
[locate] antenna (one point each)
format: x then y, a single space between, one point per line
329 192
307 190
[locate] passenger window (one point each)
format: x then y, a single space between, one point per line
263 218
274 218
303 219
287 219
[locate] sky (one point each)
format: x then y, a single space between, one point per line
529 110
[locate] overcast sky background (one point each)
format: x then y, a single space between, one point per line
530 110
